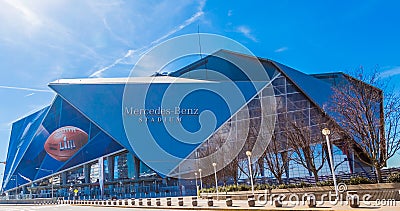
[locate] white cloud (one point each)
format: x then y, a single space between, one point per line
117 37
390 72
28 14
247 33
282 49
34 30
230 13
134 54
78 44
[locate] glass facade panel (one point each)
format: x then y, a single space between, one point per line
121 166
291 105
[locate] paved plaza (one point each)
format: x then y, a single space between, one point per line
202 205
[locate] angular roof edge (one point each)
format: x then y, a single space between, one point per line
128 80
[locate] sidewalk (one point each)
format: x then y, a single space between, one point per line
243 205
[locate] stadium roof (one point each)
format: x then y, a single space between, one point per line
128 80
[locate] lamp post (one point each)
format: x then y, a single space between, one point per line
326 132
52 187
16 185
201 181
195 176
248 153
216 180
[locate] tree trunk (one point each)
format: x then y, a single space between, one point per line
279 180
315 174
378 172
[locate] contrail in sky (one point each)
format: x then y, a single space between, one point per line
25 89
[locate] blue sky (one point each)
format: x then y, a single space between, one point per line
41 41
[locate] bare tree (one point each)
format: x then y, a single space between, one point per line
369 117
307 148
277 158
243 167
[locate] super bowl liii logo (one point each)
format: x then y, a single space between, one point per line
160 115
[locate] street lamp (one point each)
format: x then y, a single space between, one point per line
201 181
16 185
248 153
216 180
52 187
326 132
197 187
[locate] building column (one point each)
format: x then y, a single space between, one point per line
86 172
110 161
360 167
63 178
137 167
101 177
350 160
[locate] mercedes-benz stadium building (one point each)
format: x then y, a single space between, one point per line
98 138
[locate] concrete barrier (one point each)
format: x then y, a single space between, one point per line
228 201
354 200
210 201
311 201
194 201
277 201
251 201
180 201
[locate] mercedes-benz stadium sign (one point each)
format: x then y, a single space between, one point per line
178 124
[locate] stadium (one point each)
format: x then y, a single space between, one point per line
81 144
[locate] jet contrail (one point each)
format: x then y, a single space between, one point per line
25 89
